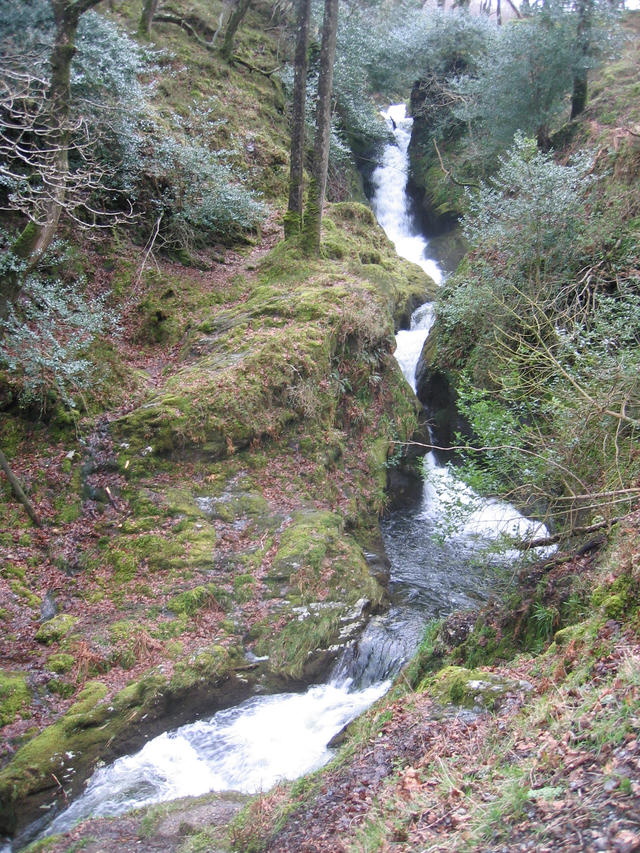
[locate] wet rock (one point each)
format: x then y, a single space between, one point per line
48 608
55 628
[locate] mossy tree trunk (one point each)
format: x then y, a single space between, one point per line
18 490
149 8
312 225
235 19
293 217
584 9
36 238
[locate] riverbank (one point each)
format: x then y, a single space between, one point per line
516 728
223 511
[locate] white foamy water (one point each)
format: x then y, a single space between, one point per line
390 203
480 519
409 342
443 492
247 748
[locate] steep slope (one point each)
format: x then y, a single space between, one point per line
218 492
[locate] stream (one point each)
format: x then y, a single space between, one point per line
434 570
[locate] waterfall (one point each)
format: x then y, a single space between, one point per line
267 738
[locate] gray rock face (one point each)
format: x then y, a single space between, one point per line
48 608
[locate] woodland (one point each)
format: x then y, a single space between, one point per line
202 422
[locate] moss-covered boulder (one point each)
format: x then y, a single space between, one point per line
55 629
325 591
60 662
469 688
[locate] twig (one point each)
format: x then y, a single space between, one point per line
149 246
543 541
515 8
163 18
447 172
255 68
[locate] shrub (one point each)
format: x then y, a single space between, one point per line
46 337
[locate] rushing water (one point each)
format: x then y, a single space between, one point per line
434 570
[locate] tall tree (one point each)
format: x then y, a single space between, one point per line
293 218
584 11
317 185
149 8
238 12
55 139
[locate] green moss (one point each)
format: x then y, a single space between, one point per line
192 600
14 695
60 662
200 545
619 598
60 687
123 630
44 844
456 685
239 388
213 664
291 649
427 659
305 543
232 505
55 629
83 731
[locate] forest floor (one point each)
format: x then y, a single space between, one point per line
539 752
40 564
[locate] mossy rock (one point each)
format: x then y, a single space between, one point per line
55 629
305 543
191 601
76 739
618 599
250 376
14 695
60 662
324 575
231 505
212 665
469 688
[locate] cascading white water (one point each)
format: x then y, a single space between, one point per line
390 202
247 748
250 747
489 519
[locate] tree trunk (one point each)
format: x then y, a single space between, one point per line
148 11
235 19
293 218
18 490
543 138
36 238
583 39
317 186
66 17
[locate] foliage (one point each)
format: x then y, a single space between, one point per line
521 82
46 337
548 347
531 211
195 192
121 152
108 100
